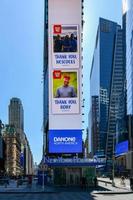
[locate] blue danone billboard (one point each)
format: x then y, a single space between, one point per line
121 148
65 141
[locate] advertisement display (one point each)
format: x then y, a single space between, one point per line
65 141
121 148
22 159
65 46
65 92
65 87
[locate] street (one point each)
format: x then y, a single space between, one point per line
53 196
64 196
66 193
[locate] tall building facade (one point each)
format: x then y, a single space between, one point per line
106 86
117 103
129 53
12 151
64 69
128 27
16 119
16 113
45 79
62 113
2 150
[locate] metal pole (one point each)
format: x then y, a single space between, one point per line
113 170
131 150
43 178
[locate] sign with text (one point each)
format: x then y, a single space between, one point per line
65 46
65 141
64 65
65 92
121 148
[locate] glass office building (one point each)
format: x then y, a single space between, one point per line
128 25
106 85
128 5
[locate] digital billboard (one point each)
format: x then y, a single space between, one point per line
65 141
65 46
121 148
22 159
64 63
65 92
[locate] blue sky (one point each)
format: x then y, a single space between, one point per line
21 58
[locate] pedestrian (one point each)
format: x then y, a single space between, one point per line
122 180
131 183
95 181
30 181
83 183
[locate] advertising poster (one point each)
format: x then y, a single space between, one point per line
65 141
65 92
65 46
64 76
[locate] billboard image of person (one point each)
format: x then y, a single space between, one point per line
65 38
65 86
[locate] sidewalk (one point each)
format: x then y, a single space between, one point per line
24 188
117 189
117 182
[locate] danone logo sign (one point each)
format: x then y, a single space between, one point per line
65 140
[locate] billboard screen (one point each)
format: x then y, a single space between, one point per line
22 159
65 46
65 141
65 92
65 73
121 148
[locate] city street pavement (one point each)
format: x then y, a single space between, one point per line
25 188
64 196
104 190
51 196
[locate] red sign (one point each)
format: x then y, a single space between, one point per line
57 74
57 29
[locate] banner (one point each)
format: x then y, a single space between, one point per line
65 46
64 63
65 92
65 141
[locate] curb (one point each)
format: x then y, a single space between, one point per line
112 192
27 192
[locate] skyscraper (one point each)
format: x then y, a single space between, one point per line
16 114
128 26
62 113
52 57
106 85
128 11
16 119
45 78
